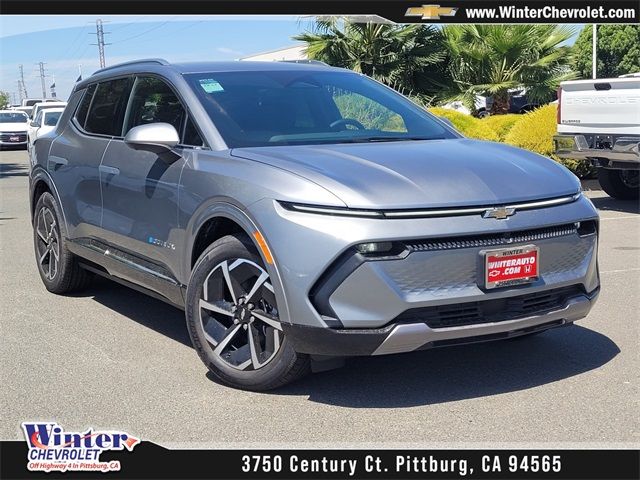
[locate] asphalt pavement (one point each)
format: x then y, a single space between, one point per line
114 358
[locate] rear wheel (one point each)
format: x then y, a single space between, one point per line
233 319
58 267
621 184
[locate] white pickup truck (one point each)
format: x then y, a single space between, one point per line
599 120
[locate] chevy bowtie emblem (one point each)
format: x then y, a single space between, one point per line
430 12
499 212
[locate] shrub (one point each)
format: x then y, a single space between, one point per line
467 125
535 130
501 124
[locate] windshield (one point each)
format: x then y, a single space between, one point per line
301 107
13 117
51 118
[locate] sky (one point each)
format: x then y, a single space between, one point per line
63 42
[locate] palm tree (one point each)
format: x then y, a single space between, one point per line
490 60
409 58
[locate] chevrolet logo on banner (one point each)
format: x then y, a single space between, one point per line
430 12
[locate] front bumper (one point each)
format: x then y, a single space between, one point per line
332 305
399 338
624 152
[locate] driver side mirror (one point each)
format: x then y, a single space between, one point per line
34 124
158 138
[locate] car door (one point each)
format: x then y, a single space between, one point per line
140 189
75 156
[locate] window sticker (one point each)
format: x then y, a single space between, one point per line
210 85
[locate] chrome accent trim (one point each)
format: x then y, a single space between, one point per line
340 211
409 337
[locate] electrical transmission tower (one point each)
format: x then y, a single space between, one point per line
42 82
100 33
22 85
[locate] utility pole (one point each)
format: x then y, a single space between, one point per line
42 82
100 33
23 86
594 59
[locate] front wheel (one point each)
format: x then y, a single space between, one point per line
233 320
620 184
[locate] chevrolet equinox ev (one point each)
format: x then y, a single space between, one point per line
301 214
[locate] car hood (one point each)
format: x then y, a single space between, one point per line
422 174
13 127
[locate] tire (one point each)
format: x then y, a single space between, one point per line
232 319
620 184
58 267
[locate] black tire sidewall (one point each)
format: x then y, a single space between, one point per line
611 182
47 200
226 248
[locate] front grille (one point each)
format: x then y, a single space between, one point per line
489 311
491 239
6 136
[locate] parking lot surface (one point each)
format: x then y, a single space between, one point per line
113 358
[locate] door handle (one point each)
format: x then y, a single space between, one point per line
57 162
107 170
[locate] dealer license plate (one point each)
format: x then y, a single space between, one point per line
511 266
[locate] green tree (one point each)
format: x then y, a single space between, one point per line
618 51
408 58
489 60
4 100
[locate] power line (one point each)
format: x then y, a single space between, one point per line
142 33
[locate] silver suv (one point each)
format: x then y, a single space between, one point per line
301 214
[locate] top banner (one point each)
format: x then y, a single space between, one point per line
420 11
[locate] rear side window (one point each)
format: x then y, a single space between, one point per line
153 101
83 108
108 106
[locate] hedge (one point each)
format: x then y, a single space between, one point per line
532 131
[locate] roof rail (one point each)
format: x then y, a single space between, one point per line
313 62
158 61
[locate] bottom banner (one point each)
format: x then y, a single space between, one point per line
148 460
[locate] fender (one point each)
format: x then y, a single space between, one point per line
39 173
224 208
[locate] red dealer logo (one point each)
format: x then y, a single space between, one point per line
511 266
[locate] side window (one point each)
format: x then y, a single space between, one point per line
191 136
108 107
83 108
153 101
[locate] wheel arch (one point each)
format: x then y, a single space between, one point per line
41 182
222 219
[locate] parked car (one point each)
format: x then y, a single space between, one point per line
599 120
26 110
38 107
302 213
30 102
13 128
45 122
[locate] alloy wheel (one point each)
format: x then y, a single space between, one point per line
48 243
238 314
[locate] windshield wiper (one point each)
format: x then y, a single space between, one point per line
387 138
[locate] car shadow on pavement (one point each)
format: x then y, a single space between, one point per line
411 379
13 170
456 373
147 311
611 204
